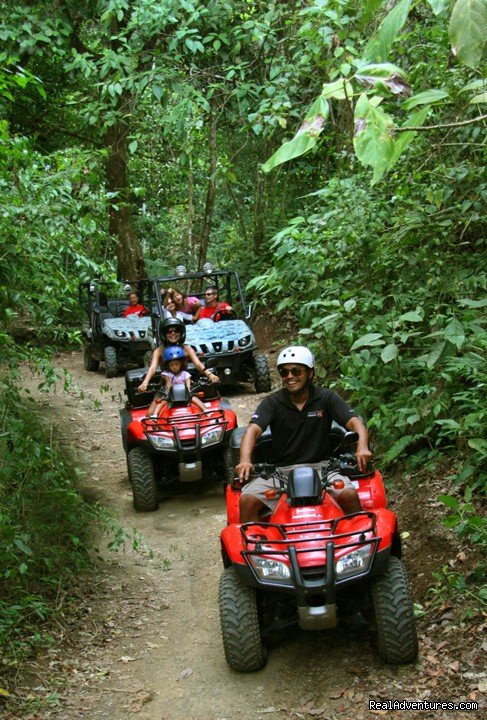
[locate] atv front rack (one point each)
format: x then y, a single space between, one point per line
181 423
319 538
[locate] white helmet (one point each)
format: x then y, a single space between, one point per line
296 354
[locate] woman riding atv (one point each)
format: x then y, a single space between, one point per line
172 331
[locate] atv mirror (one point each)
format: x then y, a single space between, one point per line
250 309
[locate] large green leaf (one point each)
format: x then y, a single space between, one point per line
368 340
455 333
438 5
373 140
306 137
404 139
468 31
340 90
482 98
379 47
385 75
428 97
389 353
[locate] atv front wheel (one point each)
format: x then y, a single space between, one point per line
397 641
91 363
143 481
239 620
262 374
111 365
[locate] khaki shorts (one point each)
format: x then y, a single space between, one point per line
260 485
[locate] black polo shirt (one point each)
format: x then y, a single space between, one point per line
301 436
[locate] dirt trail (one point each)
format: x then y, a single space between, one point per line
146 642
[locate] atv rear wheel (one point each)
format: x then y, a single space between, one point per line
91 363
143 481
111 365
397 640
262 374
239 620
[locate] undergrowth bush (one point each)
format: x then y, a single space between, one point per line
390 294
45 526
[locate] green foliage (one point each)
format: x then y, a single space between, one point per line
52 227
45 525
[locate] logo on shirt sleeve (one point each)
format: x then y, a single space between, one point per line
255 416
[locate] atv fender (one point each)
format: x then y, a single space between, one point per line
386 528
232 499
232 545
135 433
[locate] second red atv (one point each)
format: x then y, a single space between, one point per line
183 445
307 563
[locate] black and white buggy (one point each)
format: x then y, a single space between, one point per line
108 337
228 342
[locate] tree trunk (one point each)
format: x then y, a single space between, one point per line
130 261
211 191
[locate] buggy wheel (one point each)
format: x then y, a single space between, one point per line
91 364
143 481
228 467
239 620
111 365
262 374
397 640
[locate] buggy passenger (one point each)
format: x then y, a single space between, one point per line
135 307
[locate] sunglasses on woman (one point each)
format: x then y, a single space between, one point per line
294 371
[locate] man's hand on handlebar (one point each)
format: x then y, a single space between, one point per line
244 470
363 456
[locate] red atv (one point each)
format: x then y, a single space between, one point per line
309 564
183 445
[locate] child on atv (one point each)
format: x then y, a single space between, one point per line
174 373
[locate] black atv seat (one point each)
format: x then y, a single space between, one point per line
133 378
337 434
116 307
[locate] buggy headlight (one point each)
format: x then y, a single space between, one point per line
243 342
120 333
212 436
270 570
161 442
355 562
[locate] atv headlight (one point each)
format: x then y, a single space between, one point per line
243 342
270 570
355 562
161 442
212 436
120 333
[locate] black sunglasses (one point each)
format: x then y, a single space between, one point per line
294 371
210 293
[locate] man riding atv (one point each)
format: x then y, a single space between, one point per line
300 417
